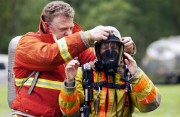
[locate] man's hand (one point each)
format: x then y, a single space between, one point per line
128 45
71 70
100 33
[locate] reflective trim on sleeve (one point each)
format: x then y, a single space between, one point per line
150 97
69 98
141 84
64 49
43 83
70 110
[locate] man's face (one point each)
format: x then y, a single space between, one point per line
61 26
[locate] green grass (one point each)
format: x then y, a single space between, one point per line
170 103
4 108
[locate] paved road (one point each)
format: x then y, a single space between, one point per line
3 79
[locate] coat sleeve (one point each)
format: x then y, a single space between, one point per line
34 54
87 56
71 98
145 96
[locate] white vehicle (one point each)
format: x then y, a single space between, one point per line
162 60
3 68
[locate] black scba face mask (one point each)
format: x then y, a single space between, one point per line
110 59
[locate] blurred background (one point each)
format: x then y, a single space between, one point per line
153 25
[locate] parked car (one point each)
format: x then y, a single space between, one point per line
162 60
3 68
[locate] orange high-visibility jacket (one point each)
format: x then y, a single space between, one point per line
144 96
39 52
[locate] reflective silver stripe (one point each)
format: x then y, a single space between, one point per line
43 83
15 112
64 49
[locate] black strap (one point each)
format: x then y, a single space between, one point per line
115 93
128 89
115 98
123 106
107 95
108 85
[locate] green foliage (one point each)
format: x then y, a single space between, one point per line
17 18
144 20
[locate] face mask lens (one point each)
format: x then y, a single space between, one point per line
110 55
109 51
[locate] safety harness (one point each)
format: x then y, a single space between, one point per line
89 85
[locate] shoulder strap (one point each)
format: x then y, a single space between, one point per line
33 82
128 89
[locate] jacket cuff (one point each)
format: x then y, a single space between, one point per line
135 76
69 85
87 38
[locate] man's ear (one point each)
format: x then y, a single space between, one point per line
44 25
44 28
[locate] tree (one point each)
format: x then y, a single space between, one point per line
144 20
18 17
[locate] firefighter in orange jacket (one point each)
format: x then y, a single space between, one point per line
107 91
44 54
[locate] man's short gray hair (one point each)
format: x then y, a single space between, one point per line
56 8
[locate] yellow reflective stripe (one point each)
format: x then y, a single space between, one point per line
43 83
64 49
19 82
